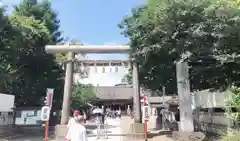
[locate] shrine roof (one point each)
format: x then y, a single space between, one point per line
123 92
113 92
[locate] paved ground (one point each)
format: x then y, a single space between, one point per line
152 136
113 129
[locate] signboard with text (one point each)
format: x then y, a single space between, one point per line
45 113
146 112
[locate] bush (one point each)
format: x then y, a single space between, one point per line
235 137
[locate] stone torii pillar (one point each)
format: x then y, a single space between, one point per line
67 97
71 50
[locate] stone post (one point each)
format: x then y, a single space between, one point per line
229 121
186 117
197 115
67 96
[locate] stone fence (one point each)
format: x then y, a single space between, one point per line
212 122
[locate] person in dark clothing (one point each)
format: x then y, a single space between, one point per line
103 114
177 116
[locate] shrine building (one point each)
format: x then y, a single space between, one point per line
114 97
121 95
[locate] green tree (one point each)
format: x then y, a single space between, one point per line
61 58
127 78
233 102
201 32
7 53
38 25
82 95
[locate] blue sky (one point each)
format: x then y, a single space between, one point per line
94 22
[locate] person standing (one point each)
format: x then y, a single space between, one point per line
84 117
119 113
115 113
25 118
103 114
129 111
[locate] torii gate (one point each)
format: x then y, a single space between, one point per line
71 50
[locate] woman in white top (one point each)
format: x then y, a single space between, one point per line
73 119
77 131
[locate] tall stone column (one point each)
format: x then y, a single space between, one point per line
67 96
184 95
136 92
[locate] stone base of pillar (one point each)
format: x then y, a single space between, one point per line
153 123
188 136
136 132
60 131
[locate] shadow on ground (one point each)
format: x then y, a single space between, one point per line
93 127
161 133
212 137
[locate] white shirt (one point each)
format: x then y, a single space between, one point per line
84 116
71 122
119 112
77 132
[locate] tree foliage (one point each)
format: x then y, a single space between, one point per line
234 102
26 70
82 95
204 33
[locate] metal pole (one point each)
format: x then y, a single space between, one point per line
67 90
46 130
136 97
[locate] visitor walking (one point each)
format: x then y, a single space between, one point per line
119 113
25 118
129 111
77 131
103 114
115 114
73 119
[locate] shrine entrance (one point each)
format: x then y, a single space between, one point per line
114 97
72 65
